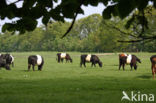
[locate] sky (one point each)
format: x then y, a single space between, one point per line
91 10
88 10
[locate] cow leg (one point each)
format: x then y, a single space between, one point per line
7 67
92 64
131 65
152 67
153 70
153 74
33 67
84 64
39 67
135 66
29 65
123 66
120 66
61 60
58 59
81 64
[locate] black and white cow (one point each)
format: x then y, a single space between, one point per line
9 59
35 60
128 59
62 56
3 63
90 58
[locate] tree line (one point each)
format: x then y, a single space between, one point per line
89 34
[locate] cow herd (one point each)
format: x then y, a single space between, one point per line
7 59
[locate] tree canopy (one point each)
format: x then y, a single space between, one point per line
31 10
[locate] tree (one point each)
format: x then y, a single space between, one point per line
31 10
101 36
142 26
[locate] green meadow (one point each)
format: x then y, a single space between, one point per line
69 83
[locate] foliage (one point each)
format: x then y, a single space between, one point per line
143 28
31 10
90 34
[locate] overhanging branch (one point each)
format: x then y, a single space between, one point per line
122 32
72 24
144 38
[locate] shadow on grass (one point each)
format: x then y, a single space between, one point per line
144 76
111 65
30 70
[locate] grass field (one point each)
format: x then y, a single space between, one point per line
68 83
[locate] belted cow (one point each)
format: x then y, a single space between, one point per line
35 60
62 56
9 59
128 59
90 58
6 61
4 64
153 67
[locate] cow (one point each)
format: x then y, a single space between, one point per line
9 59
3 63
90 58
153 67
128 59
35 60
62 56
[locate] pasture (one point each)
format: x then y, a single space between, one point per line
68 83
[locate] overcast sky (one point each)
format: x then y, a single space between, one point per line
88 10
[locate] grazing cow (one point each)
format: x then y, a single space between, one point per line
4 64
153 67
62 56
35 60
90 58
9 59
128 59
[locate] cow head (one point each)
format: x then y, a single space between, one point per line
7 67
138 60
100 64
71 60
